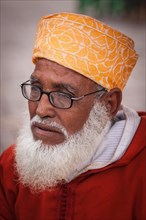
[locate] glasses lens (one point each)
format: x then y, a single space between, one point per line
60 100
31 92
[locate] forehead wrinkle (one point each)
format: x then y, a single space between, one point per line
53 66
59 85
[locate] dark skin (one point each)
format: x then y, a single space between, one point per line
53 77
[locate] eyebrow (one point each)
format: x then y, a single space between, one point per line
67 87
33 79
58 85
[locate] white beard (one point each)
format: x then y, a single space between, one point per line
42 167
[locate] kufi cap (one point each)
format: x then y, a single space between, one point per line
87 46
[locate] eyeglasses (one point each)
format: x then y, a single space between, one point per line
58 99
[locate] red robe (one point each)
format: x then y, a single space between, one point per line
115 192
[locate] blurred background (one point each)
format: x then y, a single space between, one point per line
18 26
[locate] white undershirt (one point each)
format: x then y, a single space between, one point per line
118 138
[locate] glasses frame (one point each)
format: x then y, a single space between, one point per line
49 93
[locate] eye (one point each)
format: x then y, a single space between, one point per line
61 100
34 92
36 84
67 94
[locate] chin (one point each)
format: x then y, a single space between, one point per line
49 142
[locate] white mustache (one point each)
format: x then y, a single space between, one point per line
46 122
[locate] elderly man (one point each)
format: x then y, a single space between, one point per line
81 154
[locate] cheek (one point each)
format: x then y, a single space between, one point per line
75 120
32 106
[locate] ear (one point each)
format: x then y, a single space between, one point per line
112 100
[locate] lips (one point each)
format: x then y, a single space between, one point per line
46 133
46 127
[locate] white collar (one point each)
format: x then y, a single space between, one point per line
117 139
115 142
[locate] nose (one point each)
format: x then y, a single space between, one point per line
44 108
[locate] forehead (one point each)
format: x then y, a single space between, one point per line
48 72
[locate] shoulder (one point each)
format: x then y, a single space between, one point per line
8 186
7 163
142 126
142 115
139 139
7 156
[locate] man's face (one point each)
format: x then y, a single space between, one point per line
54 77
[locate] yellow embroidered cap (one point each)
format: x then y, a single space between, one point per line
87 46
